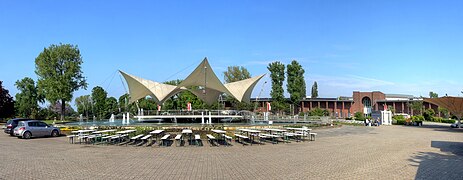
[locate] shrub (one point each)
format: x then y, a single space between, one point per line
450 121
418 118
319 112
437 119
428 114
398 117
359 116
399 122
348 118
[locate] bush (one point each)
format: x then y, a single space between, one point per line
418 118
318 112
359 116
437 119
348 118
450 121
399 122
398 117
428 114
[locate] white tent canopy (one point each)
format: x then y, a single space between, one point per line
202 82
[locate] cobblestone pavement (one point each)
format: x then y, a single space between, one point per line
349 152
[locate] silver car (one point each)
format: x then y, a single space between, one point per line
35 128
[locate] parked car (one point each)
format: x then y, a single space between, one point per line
454 125
11 124
35 128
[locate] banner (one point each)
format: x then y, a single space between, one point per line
269 107
188 106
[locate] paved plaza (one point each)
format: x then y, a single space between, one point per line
348 152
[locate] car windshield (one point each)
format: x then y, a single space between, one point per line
20 124
9 122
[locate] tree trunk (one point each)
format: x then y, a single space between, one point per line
63 108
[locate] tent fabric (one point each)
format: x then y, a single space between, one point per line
242 90
204 76
453 104
140 88
202 82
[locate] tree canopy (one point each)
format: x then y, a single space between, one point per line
314 90
433 95
99 101
58 68
295 82
28 98
277 74
236 73
6 103
84 105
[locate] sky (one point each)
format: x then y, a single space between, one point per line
395 46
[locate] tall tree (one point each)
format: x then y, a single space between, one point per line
277 74
99 101
58 68
295 82
314 90
6 103
236 73
111 106
28 98
433 95
84 105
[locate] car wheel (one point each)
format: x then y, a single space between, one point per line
27 135
54 133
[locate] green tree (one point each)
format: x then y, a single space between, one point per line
6 103
99 101
58 68
433 95
314 90
416 106
111 107
295 82
443 111
236 73
84 105
28 98
277 74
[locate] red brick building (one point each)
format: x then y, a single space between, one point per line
365 102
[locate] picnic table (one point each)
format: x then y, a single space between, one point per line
157 133
188 132
220 134
300 132
251 133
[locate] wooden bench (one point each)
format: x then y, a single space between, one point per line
197 139
71 138
228 139
239 137
312 136
211 139
146 139
165 138
178 139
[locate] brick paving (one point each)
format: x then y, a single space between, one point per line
348 152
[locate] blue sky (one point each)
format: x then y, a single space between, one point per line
407 47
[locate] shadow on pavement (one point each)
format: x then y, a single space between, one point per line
447 165
439 127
